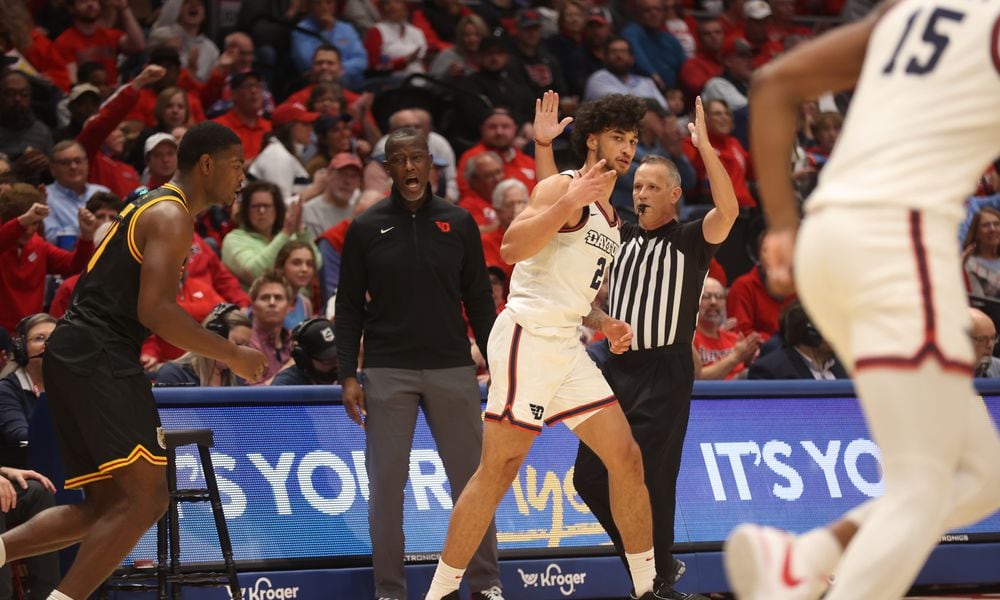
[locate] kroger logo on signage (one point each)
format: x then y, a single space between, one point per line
553 577
263 589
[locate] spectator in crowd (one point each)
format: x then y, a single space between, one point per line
681 26
510 198
707 61
161 159
326 67
984 340
68 194
193 369
335 201
395 47
171 113
22 380
982 253
540 67
244 117
596 34
733 155
143 110
333 136
750 303
658 54
413 362
724 354
733 84
567 44
296 262
23 138
272 297
498 80
264 228
34 493
462 58
826 129
280 162
105 207
497 134
96 75
88 41
441 22
331 244
205 284
323 27
783 22
199 52
314 350
420 119
804 354
483 172
28 258
757 31
499 15
617 77
83 102
731 17
362 14
30 46
237 57
104 141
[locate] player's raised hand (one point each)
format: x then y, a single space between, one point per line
248 363
35 215
776 251
592 186
619 334
698 129
547 126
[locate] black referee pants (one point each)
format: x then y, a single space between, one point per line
654 390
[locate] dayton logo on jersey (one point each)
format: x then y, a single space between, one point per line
601 242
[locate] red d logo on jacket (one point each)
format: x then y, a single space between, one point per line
444 226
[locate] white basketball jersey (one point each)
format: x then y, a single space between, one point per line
551 292
924 122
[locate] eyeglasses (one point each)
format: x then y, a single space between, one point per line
65 162
985 339
261 208
399 160
711 296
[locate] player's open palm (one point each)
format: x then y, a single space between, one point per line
249 364
592 186
619 334
776 253
547 125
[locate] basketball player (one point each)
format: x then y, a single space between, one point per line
877 267
102 406
561 246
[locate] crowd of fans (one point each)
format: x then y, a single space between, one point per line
96 94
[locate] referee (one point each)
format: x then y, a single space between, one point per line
656 282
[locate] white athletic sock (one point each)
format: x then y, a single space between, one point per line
446 580
816 553
57 595
642 566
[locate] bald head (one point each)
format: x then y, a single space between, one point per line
984 333
414 118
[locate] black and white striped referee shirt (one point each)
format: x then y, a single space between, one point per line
656 282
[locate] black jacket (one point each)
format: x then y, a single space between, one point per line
17 405
420 268
787 363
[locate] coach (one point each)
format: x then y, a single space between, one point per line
656 282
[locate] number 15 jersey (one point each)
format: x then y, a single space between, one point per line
551 292
924 121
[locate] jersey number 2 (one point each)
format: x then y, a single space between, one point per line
602 263
931 36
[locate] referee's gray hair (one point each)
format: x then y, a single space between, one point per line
470 167
656 159
503 186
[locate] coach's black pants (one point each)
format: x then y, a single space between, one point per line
654 390
43 570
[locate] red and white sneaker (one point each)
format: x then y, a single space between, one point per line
758 564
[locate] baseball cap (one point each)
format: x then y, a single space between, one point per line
155 140
237 80
83 88
317 339
288 113
528 17
736 45
345 159
756 10
596 15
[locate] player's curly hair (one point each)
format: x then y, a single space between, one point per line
615 111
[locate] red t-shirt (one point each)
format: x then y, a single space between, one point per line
516 165
712 350
43 55
491 250
735 159
252 137
481 210
696 71
102 46
753 307
145 107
